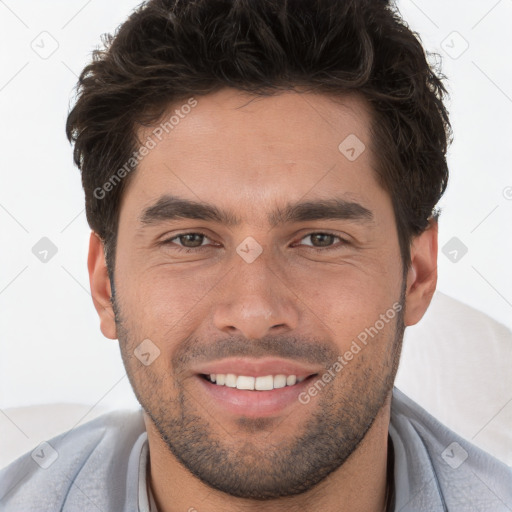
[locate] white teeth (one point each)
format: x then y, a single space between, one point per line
279 381
265 383
231 380
291 380
244 382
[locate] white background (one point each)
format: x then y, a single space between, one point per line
51 348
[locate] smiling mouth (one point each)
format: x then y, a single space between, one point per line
261 383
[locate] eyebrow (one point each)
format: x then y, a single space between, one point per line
169 208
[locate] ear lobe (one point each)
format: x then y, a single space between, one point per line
422 274
100 286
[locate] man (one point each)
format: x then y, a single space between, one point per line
261 179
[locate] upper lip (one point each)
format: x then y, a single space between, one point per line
257 367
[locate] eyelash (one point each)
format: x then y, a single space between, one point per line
179 248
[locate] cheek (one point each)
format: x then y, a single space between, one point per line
165 297
351 300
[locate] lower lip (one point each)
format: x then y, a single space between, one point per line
254 404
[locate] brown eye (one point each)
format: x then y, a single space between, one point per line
319 240
187 241
191 240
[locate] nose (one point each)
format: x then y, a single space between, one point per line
255 303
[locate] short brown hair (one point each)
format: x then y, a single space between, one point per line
170 50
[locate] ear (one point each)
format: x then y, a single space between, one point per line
100 286
422 274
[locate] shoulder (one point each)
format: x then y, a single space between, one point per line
78 462
434 464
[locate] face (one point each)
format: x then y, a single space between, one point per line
254 252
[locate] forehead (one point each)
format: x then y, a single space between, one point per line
233 146
285 118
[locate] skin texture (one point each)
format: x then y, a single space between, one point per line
250 155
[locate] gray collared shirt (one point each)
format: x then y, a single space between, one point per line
102 466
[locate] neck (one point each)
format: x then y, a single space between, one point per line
359 485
